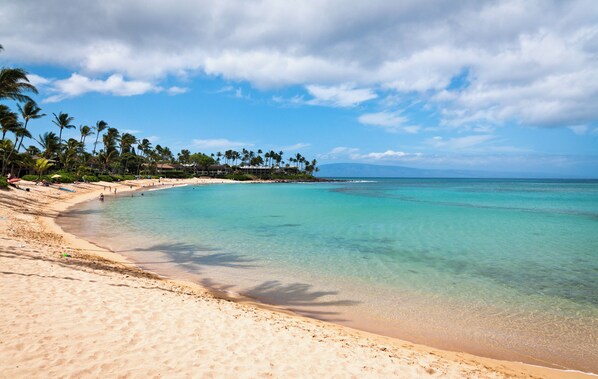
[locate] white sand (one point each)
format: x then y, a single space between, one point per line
86 316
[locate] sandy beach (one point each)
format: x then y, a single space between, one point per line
72 309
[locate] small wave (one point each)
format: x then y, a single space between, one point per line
362 181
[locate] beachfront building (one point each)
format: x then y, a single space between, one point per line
214 170
255 170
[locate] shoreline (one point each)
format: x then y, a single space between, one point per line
86 253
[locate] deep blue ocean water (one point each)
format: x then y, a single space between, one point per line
505 268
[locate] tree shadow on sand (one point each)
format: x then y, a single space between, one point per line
193 257
296 297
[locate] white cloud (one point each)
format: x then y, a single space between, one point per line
344 96
388 155
219 143
131 131
77 85
579 129
38 81
175 90
392 122
458 143
338 152
532 62
297 146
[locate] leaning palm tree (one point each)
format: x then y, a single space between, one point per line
20 133
9 121
14 83
30 111
63 120
41 166
100 126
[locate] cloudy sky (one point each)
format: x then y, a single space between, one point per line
484 85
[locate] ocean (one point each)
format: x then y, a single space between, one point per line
500 268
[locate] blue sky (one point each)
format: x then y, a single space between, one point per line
500 86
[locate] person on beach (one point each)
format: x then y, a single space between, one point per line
115 191
101 197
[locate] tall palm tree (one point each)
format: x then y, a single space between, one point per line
85 132
20 133
62 120
110 139
30 111
127 140
100 126
9 121
49 143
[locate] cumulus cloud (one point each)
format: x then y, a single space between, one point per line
392 122
116 85
77 85
529 62
219 143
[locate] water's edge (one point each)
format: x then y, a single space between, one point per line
70 221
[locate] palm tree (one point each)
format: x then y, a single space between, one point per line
110 139
21 133
30 111
9 121
85 132
100 126
126 141
6 146
70 153
63 120
49 142
13 83
41 166
107 157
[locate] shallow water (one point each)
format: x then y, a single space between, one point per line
501 268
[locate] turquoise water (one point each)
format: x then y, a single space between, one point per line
503 268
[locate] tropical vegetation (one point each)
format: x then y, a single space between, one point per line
115 155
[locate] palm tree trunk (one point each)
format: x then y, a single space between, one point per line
23 137
96 143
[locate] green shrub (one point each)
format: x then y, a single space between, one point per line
31 178
105 178
3 183
117 177
65 177
239 177
91 178
175 174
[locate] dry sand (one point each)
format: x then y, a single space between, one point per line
95 314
